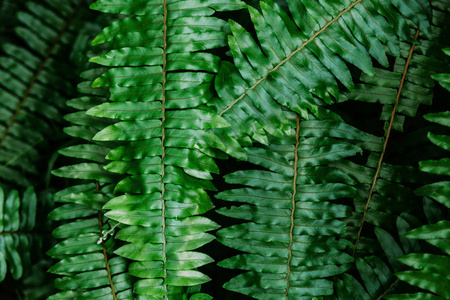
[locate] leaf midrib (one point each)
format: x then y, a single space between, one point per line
294 184
388 132
163 110
105 256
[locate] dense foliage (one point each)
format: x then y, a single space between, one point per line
199 149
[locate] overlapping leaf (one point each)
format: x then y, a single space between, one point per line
300 61
376 279
409 84
160 79
164 140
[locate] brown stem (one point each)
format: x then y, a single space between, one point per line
390 288
388 133
12 232
163 109
105 256
293 206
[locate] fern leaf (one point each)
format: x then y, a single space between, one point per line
87 266
398 90
432 273
160 79
376 279
289 242
299 59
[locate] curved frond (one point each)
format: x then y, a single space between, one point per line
87 265
300 61
384 189
409 84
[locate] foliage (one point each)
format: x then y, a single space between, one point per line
291 236
313 108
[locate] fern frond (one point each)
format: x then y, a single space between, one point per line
291 241
430 270
36 79
17 220
88 267
299 61
160 77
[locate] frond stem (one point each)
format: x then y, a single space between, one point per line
293 207
163 109
388 134
290 56
38 72
105 256
390 288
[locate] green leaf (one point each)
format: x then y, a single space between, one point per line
291 217
79 263
91 152
442 141
197 119
390 247
427 280
428 262
441 118
76 228
130 131
11 212
86 171
440 167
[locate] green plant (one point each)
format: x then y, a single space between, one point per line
320 193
